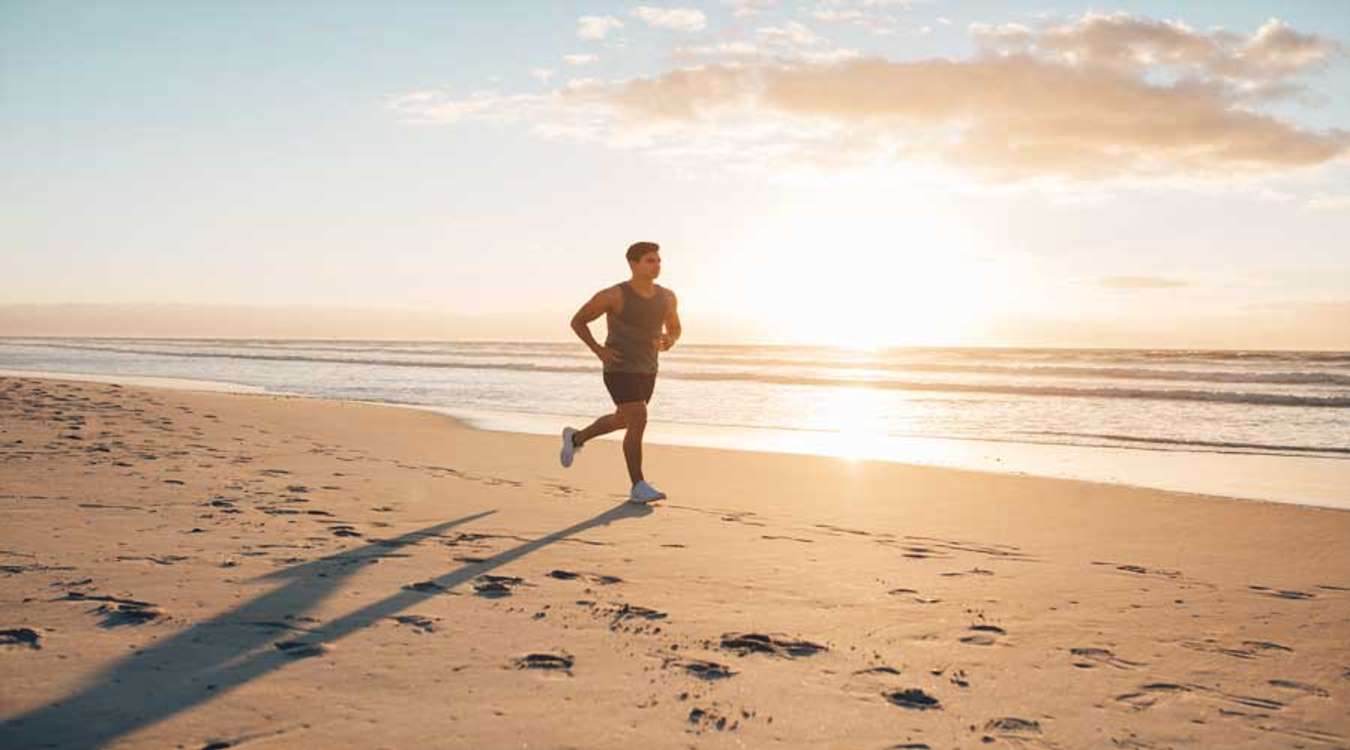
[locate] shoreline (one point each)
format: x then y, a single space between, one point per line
1324 482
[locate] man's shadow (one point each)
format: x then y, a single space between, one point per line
216 656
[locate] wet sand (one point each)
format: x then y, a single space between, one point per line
206 570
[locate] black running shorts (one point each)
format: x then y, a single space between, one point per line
627 387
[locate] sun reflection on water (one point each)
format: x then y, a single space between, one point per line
858 427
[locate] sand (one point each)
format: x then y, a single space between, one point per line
207 570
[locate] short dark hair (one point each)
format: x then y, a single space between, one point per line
639 249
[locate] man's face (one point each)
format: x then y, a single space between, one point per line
648 266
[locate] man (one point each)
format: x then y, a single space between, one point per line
642 321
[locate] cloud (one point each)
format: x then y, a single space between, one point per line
868 14
747 8
597 27
833 14
746 52
734 50
1327 202
542 74
1086 101
792 33
1140 282
1259 65
580 59
678 19
789 42
1010 117
436 107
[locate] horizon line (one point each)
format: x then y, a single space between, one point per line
701 344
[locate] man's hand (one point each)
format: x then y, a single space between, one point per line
664 342
607 355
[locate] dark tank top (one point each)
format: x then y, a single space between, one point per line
634 330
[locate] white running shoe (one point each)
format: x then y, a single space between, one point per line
645 493
569 448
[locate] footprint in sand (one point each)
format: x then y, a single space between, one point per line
116 611
302 649
628 612
787 538
1302 687
419 623
700 668
1249 650
558 662
916 599
161 560
1146 696
757 643
1090 658
913 699
494 587
982 637
1282 593
1012 725
972 572
22 637
427 587
703 719
568 575
842 530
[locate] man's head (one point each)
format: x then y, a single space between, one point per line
645 259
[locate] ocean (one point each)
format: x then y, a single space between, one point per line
1269 425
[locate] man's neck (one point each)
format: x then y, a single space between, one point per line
645 286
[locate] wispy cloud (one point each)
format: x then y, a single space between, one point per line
877 16
747 8
1140 282
678 19
1329 202
792 33
789 42
597 27
580 59
1257 65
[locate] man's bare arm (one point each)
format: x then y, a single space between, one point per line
602 302
672 323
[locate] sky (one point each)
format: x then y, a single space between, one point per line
848 172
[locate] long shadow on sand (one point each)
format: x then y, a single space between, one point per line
218 655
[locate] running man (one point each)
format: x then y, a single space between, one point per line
642 321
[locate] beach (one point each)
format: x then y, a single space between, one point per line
211 570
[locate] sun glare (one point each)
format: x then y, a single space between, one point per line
855 429
871 282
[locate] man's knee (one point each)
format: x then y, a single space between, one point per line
633 416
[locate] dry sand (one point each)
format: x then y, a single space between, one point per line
203 570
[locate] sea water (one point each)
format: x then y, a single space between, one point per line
1263 425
